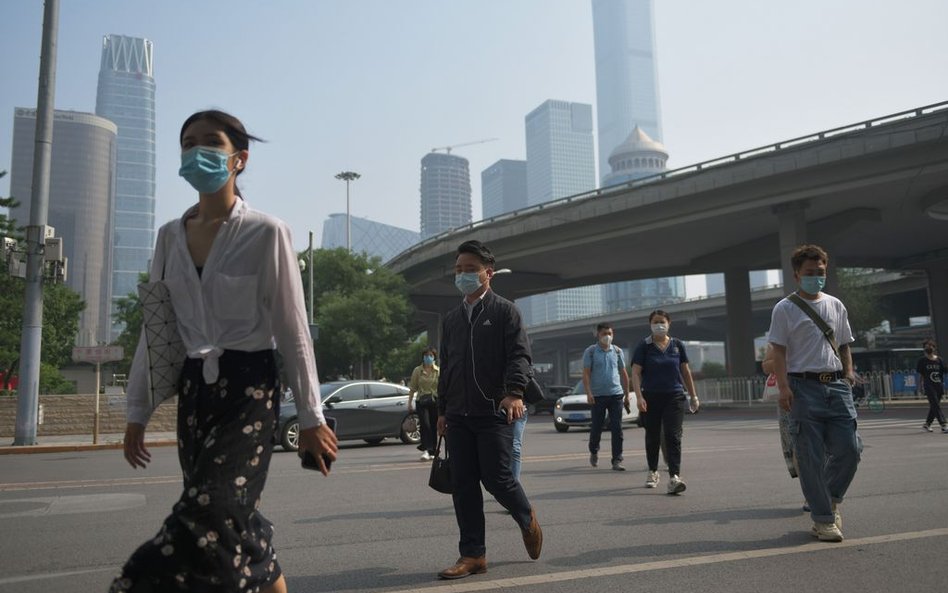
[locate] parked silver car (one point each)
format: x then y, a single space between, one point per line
366 410
574 410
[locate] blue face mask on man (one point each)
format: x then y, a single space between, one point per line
205 168
467 282
812 284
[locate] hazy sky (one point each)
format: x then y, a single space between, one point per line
373 85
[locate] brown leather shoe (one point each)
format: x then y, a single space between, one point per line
533 537
465 567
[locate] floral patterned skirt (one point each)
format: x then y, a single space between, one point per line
215 539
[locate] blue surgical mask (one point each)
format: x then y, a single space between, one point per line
812 284
468 282
205 168
428 359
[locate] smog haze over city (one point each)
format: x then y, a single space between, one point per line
373 85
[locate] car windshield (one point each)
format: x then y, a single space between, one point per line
580 389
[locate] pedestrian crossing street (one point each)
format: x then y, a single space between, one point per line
867 421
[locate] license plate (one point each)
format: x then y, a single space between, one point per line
577 417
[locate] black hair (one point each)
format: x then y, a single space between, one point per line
659 313
603 325
478 249
230 125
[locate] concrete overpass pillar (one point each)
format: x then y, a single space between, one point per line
561 366
433 329
740 336
792 228
938 305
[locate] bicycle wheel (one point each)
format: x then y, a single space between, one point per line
876 404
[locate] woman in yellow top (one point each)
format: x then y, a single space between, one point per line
424 385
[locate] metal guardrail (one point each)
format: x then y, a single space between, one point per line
747 391
695 168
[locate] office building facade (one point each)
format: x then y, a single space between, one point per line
126 96
560 163
503 187
626 73
445 193
81 192
373 238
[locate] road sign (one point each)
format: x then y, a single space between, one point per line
97 354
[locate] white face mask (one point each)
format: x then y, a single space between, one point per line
605 340
660 329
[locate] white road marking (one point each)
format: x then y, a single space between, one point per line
26 578
477 584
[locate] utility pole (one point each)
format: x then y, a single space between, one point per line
32 336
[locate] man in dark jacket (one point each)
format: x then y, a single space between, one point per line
485 367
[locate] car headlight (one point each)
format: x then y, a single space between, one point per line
559 404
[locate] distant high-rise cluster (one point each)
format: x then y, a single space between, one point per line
445 193
81 194
126 96
503 187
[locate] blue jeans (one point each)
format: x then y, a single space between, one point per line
612 404
823 425
518 427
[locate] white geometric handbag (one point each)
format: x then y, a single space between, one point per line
165 351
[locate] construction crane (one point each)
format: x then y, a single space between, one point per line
447 149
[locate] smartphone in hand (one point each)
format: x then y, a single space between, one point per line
307 459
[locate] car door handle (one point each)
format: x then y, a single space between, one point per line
400 404
362 406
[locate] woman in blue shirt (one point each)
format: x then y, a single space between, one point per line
660 374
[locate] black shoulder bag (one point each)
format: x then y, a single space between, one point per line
440 478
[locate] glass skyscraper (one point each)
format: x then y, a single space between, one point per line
628 110
503 187
126 96
374 238
560 163
81 191
445 193
626 74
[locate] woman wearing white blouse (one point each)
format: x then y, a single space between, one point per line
237 294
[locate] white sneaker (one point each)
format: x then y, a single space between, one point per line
675 485
425 457
827 532
927 427
652 480
837 517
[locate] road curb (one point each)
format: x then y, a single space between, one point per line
66 447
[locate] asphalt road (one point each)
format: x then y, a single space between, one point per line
69 520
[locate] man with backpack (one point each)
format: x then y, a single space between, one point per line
607 389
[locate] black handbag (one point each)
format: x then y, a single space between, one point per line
533 394
440 478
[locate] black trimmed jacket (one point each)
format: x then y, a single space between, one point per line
482 360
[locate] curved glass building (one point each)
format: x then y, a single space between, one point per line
445 193
126 96
81 190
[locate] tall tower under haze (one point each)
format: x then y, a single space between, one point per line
445 193
626 74
126 96
630 123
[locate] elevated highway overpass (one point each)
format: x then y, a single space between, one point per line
874 194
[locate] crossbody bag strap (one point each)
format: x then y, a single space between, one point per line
824 327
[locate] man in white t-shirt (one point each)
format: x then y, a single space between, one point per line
815 381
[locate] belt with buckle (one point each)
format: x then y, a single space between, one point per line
824 377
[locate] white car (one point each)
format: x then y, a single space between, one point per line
574 410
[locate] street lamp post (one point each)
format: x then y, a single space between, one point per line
348 176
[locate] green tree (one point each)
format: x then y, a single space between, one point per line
398 363
713 370
861 299
362 310
129 313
